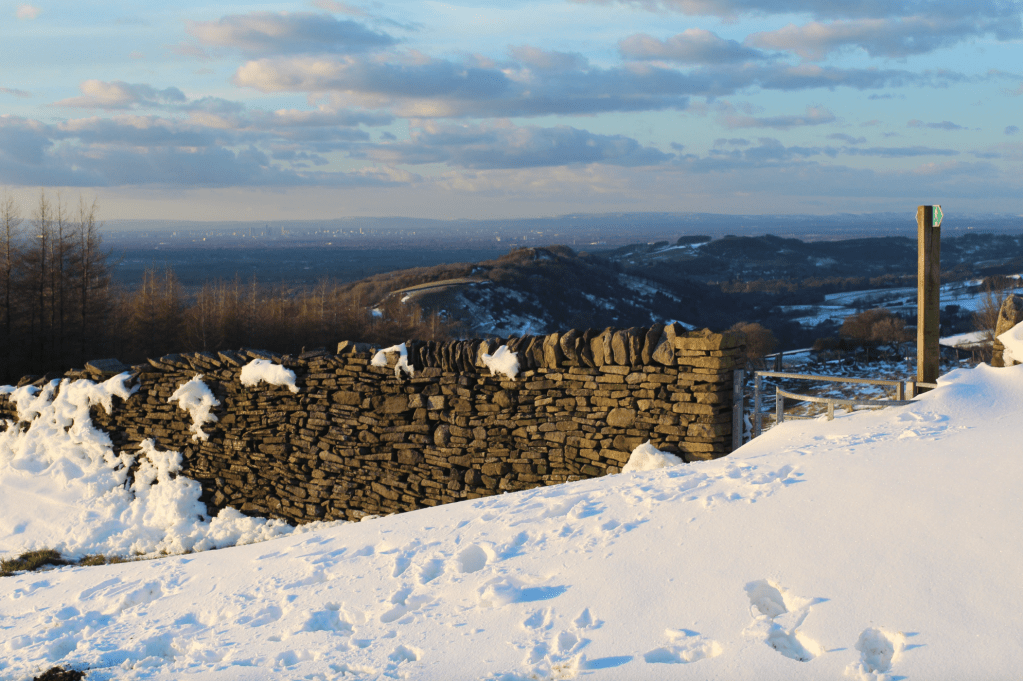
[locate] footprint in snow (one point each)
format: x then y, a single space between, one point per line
472 559
879 649
552 651
777 616
685 646
404 603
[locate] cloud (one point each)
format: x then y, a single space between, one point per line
98 94
827 9
15 91
1011 129
815 115
548 60
266 33
848 139
340 8
899 152
944 125
27 12
417 86
148 151
692 46
895 37
491 147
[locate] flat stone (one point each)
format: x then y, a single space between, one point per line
621 418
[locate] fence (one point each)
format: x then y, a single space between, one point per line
905 391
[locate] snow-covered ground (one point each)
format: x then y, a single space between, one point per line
882 545
838 306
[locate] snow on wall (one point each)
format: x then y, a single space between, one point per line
65 488
264 370
195 398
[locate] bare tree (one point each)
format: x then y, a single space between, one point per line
10 246
760 342
91 279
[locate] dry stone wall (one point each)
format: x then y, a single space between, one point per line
357 439
1009 315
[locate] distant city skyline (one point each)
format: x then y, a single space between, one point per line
316 110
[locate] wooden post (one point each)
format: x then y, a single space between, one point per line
757 416
928 294
738 384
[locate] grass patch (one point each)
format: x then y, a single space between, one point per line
60 674
34 560
29 561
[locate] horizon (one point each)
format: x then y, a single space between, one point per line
313 110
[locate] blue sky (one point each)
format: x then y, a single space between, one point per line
274 110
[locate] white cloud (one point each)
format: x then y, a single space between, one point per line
414 85
268 33
98 94
27 12
829 9
692 46
506 146
943 125
815 115
893 37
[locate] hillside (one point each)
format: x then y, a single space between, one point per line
538 290
699 281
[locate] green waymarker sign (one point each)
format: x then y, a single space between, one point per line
936 216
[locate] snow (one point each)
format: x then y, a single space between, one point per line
503 361
63 487
264 370
195 398
646 457
1013 342
380 360
880 545
964 340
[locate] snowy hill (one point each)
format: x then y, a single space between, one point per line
882 545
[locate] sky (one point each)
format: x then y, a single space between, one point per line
325 109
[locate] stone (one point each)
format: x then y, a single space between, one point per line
567 341
393 404
1009 315
347 397
597 350
106 367
664 353
619 348
705 339
607 337
620 417
553 355
651 341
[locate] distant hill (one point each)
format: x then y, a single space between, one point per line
697 280
537 290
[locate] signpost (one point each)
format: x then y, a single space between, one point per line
928 222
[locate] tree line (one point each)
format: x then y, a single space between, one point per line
55 295
60 308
